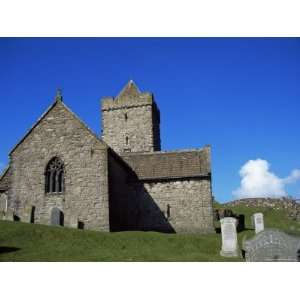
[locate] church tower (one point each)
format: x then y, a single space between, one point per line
131 121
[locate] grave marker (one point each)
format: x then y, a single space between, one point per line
258 220
272 245
229 237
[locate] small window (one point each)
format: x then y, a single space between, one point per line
127 140
126 116
168 211
32 215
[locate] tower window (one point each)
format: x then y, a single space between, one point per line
54 176
126 117
127 140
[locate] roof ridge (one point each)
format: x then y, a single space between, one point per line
3 173
44 115
165 152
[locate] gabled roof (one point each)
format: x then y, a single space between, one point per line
170 165
4 180
130 90
130 96
58 101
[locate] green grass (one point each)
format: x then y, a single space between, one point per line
32 242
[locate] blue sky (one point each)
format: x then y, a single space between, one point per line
241 96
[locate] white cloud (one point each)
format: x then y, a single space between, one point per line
295 176
258 181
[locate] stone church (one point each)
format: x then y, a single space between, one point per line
61 173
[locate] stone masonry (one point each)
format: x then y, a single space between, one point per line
122 181
131 121
60 133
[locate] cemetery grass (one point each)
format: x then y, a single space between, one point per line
32 242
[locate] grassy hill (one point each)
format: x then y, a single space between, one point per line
32 242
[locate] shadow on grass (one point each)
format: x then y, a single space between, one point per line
8 249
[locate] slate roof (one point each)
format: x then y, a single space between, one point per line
4 180
170 165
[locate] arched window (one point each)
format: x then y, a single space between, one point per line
54 176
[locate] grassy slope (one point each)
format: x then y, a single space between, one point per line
28 242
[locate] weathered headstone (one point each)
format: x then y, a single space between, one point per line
229 237
56 216
258 220
272 245
26 216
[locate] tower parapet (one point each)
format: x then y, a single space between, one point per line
131 121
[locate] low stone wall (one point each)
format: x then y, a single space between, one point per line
290 205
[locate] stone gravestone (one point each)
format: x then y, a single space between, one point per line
258 220
26 216
56 216
272 245
229 237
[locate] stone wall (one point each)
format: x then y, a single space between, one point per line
183 206
132 135
61 134
291 206
131 121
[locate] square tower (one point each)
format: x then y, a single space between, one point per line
131 121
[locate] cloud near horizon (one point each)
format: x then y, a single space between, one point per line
258 181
